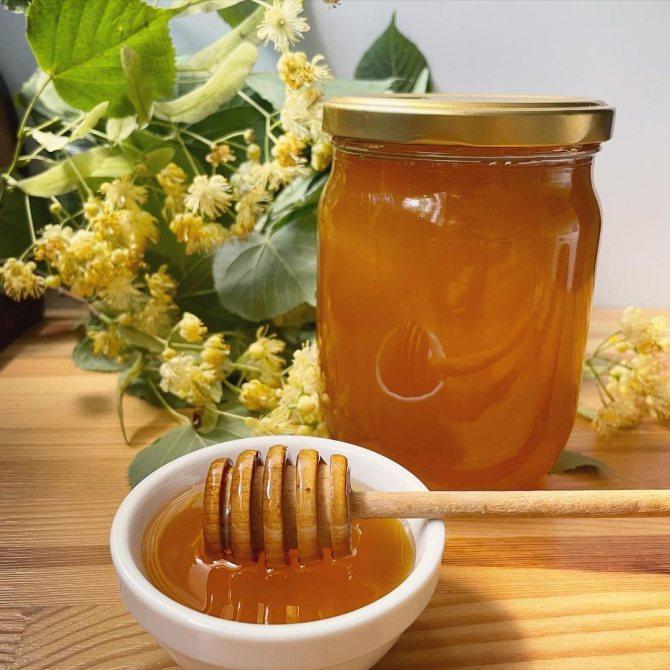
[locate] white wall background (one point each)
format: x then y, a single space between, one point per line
614 50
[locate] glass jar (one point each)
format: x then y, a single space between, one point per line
457 247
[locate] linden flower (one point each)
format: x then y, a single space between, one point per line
160 284
172 180
106 342
155 316
53 240
616 416
120 292
287 150
296 71
645 335
20 281
215 351
257 396
122 193
302 113
220 153
262 356
208 195
250 205
281 24
281 175
322 155
198 384
298 411
250 175
191 328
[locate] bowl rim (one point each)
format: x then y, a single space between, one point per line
130 576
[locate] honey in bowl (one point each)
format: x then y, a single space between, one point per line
178 565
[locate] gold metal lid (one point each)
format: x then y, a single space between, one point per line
487 121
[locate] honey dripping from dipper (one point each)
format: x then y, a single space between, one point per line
294 576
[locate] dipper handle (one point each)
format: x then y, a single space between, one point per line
492 504
250 506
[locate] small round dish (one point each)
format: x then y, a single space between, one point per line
355 640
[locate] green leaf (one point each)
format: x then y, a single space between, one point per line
119 129
139 91
206 420
17 6
156 160
221 87
85 359
89 121
49 105
141 340
201 6
126 378
300 193
269 86
50 141
14 230
569 461
234 15
208 59
269 274
63 177
393 55
422 81
180 441
78 44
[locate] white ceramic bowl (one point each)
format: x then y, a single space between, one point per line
352 641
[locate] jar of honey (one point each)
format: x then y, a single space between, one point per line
457 247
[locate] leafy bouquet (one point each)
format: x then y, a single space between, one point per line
175 197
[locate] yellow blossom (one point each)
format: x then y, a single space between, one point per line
616 415
645 335
302 113
122 193
257 396
197 383
300 399
120 291
215 351
172 180
156 315
20 281
287 150
282 24
254 152
191 328
52 241
106 342
210 196
262 360
220 153
279 175
248 208
249 135
160 283
322 154
296 71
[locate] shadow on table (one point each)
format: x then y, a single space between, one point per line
457 629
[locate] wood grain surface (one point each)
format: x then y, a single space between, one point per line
518 594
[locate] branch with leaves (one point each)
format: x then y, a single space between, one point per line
176 199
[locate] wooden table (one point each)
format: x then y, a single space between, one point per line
512 594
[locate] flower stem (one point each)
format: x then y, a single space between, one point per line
180 417
230 415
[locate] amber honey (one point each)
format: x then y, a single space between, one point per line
177 564
454 302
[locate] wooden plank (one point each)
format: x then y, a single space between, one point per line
519 594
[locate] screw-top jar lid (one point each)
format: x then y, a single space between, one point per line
490 121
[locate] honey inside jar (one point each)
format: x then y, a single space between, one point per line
177 564
455 281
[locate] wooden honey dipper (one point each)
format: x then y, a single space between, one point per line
274 507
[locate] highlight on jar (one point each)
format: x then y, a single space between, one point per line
457 248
